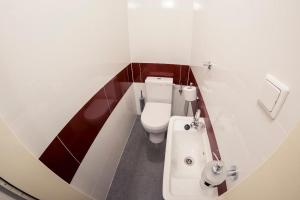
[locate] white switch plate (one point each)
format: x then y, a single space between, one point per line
273 95
269 95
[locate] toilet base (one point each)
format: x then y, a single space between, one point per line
156 138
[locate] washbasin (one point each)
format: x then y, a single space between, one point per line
187 152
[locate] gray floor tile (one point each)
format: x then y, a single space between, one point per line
140 171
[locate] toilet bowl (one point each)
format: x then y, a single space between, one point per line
157 112
155 120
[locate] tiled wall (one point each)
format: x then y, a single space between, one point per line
210 131
250 46
65 53
64 155
66 152
160 32
178 72
96 171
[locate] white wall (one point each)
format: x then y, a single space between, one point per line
160 31
20 168
54 56
269 181
97 170
246 40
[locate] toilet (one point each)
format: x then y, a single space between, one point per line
157 111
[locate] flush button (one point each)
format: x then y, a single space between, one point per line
272 96
269 95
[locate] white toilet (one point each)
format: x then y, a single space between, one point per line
157 112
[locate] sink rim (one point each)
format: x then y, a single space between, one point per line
167 195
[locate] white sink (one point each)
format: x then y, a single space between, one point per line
181 181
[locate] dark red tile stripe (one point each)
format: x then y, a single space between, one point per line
64 156
179 73
79 134
184 74
60 161
210 131
192 79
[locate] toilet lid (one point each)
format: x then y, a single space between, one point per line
156 115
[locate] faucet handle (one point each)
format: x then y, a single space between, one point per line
233 172
197 114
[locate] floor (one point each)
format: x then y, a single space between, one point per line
140 172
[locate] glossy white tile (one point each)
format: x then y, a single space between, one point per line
56 56
242 41
97 169
160 31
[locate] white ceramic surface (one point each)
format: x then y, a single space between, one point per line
177 99
55 55
155 117
245 40
181 181
160 30
157 111
96 172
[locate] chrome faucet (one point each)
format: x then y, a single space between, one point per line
233 172
196 123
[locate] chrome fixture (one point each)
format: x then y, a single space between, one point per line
196 123
218 168
233 172
188 161
180 90
208 65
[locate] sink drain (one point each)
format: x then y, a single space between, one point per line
187 127
188 161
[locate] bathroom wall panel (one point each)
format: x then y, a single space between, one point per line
245 40
129 71
179 73
96 171
60 161
200 104
160 31
117 87
184 74
123 80
23 170
80 132
56 56
192 79
137 72
163 70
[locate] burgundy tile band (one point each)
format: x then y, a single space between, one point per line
210 131
65 153
177 72
59 160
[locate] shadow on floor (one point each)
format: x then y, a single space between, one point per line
140 172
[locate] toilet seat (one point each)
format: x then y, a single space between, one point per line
155 116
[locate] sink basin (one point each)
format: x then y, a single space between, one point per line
187 152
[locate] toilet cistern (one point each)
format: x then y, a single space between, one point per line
157 112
